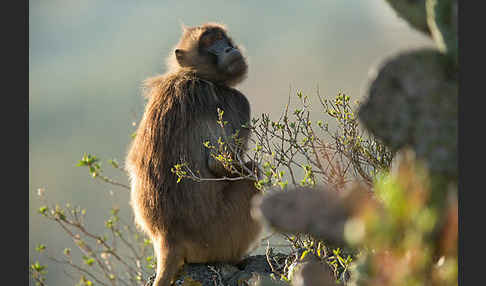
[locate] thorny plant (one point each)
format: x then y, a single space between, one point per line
405 236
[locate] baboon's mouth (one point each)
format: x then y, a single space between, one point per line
235 65
230 58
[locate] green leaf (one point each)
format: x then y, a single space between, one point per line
43 210
109 224
40 248
114 211
304 254
81 163
88 260
38 267
114 163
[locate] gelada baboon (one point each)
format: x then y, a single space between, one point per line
193 222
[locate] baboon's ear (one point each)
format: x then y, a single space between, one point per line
180 56
183 26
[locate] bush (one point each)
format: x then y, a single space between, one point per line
293 151
120 255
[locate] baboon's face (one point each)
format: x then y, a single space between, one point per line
211 53
227 58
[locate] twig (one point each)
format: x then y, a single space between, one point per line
220 280
267 255
79 268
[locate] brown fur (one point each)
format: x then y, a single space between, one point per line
193 222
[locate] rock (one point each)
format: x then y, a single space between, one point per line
412 11
413 102
305 210
320 212
313 273
442 22
310 271
253 270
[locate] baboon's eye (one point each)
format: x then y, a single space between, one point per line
209 39
219 35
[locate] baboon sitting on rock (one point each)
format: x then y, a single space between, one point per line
192 222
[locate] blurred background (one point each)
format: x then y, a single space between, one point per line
88 59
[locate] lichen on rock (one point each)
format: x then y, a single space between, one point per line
413 102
